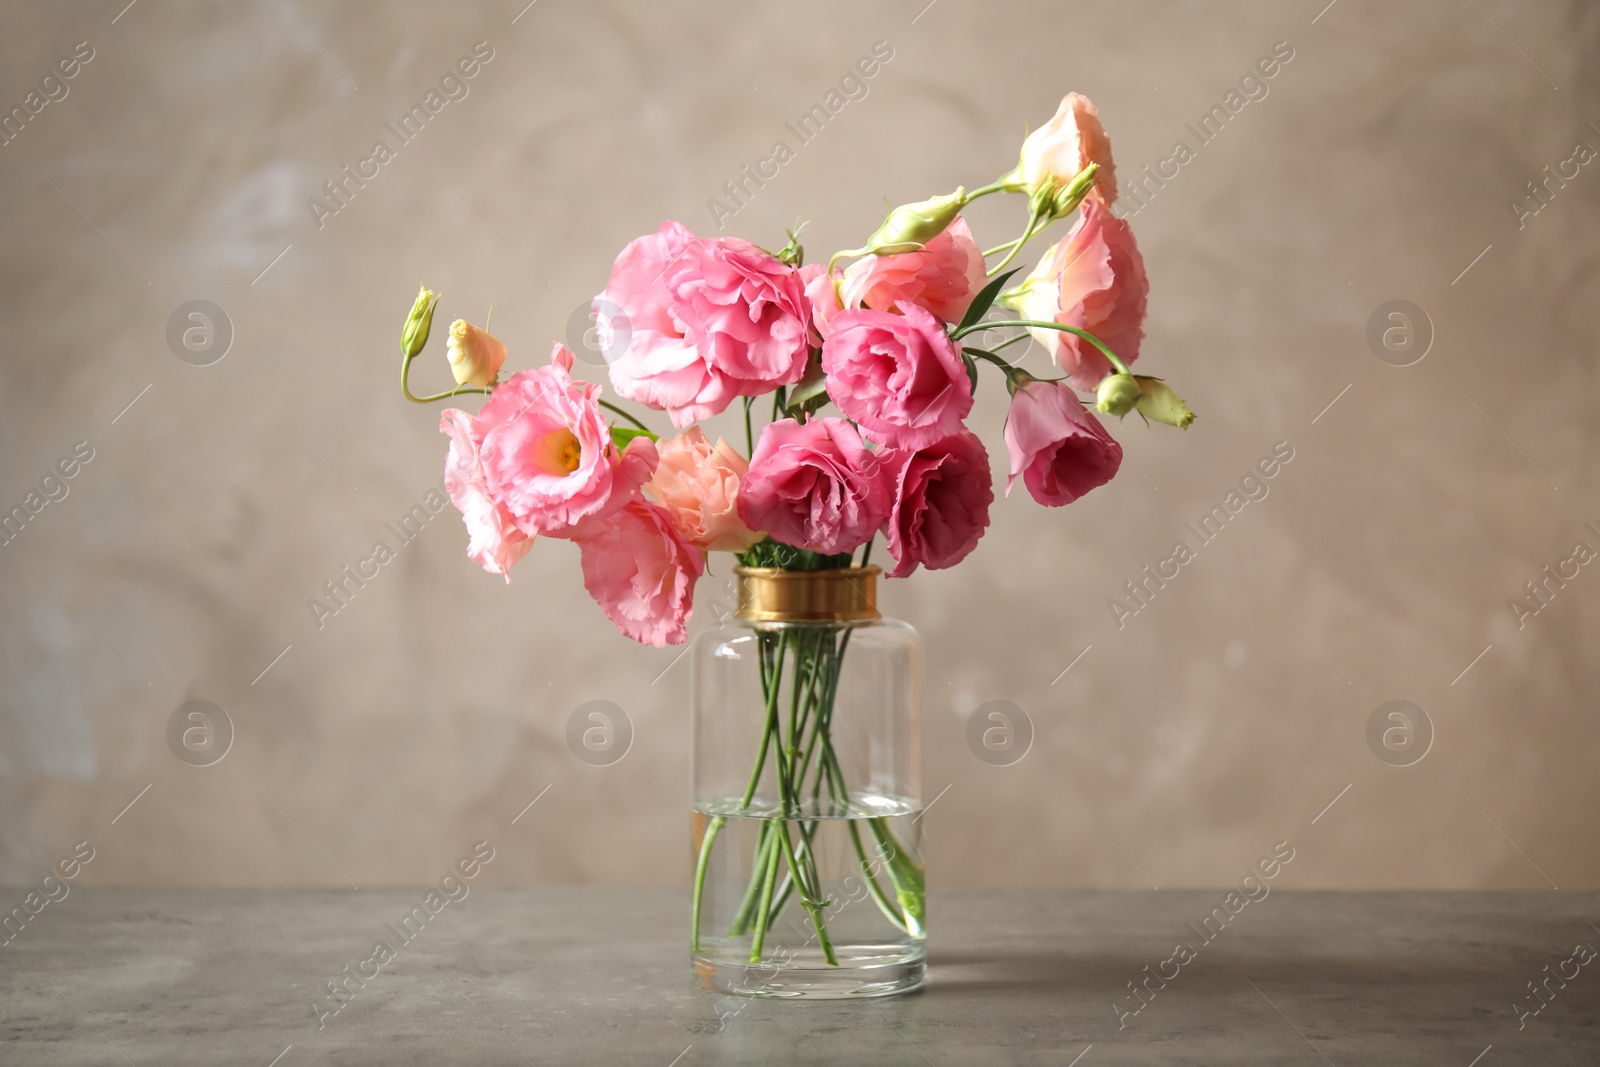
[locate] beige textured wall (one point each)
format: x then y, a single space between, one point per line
1222 718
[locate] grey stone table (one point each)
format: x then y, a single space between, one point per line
575 976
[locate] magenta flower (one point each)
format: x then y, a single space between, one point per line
815 485
899 376
1060 450
942 495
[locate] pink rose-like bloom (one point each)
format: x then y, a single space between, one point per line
898 376
494 541
697 483
641 572
1070 141
943 277
1060 449
547 454
942 495
1093 279
815 485
709 320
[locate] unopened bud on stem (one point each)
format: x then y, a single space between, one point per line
415 334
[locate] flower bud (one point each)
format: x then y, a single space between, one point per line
910 226
1117 395
1158 402
415 335
1070 195
475 355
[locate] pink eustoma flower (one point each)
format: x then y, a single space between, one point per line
899 376
1093 279
815 485
641 571
943 277
942 495
547 454
1070 141
709 320
1060 450
494 541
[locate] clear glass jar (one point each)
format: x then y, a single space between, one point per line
808 761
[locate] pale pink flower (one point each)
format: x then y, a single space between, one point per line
1070 141
641 571
494 541
815 485
1060 450
899 376
547 453
1094 279
943 277
697 483
942 495
709 320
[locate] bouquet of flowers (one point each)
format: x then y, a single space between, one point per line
870 364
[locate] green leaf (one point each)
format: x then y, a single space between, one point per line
810 392
984 300
972 371
621 435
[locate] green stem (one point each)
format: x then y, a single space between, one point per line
765 843
807 894
762 910
405 386
1001 186
704 861
879 897
1035 324
1035 224
749 435
609 406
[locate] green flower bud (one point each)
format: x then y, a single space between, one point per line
1070 195
910 226
415 335
1118 393
1158 402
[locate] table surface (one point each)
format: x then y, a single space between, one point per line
574 976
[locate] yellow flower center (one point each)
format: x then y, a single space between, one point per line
560 453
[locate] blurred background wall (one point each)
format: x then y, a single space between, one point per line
1385 160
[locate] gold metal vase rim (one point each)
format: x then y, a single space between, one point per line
772 594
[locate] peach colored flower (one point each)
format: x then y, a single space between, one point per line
1093 279
943 277
1070 141
475 355
697 484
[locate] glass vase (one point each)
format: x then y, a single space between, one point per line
807 804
